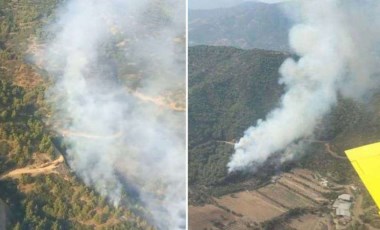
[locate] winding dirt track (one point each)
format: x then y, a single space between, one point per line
227 142
65 132
45 168
158 101
357 210
332 153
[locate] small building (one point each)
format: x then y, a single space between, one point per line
342 205
343 212
343 209
345 197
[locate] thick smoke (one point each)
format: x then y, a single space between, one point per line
337 42
106 59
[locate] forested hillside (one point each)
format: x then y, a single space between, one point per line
38 188
229 90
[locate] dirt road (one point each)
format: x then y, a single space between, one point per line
159 101
226 142
65 132
45 168
357 210
332 153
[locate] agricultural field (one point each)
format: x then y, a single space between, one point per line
260 206
251 205
209 216
311 222
285 197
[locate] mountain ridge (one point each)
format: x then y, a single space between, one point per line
248 25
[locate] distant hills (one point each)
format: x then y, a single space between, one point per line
212 4
248 25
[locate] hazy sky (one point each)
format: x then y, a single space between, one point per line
201 4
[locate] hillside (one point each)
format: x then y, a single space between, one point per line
38 188
229 90
248 25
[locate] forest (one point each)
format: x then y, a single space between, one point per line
57 200
229 90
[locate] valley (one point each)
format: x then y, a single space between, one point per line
229 89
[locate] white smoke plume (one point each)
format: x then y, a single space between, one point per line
114 64
337 42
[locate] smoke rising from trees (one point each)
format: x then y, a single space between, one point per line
336 41
100 53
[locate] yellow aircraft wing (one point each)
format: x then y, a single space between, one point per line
366 161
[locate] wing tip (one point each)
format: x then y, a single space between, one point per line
364 151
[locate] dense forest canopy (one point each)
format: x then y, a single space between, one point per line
57 199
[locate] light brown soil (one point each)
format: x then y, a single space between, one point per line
251 205
311 222
332 153
26 77
305 174
250 208
33 170
41 158
26 188
307 183
159 101
65 132
201 217
240 226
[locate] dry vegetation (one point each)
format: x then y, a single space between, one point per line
251 208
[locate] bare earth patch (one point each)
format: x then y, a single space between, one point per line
311 222
201 217
160 101
26 188
314 185
33 170
251 205
27 77
249 209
